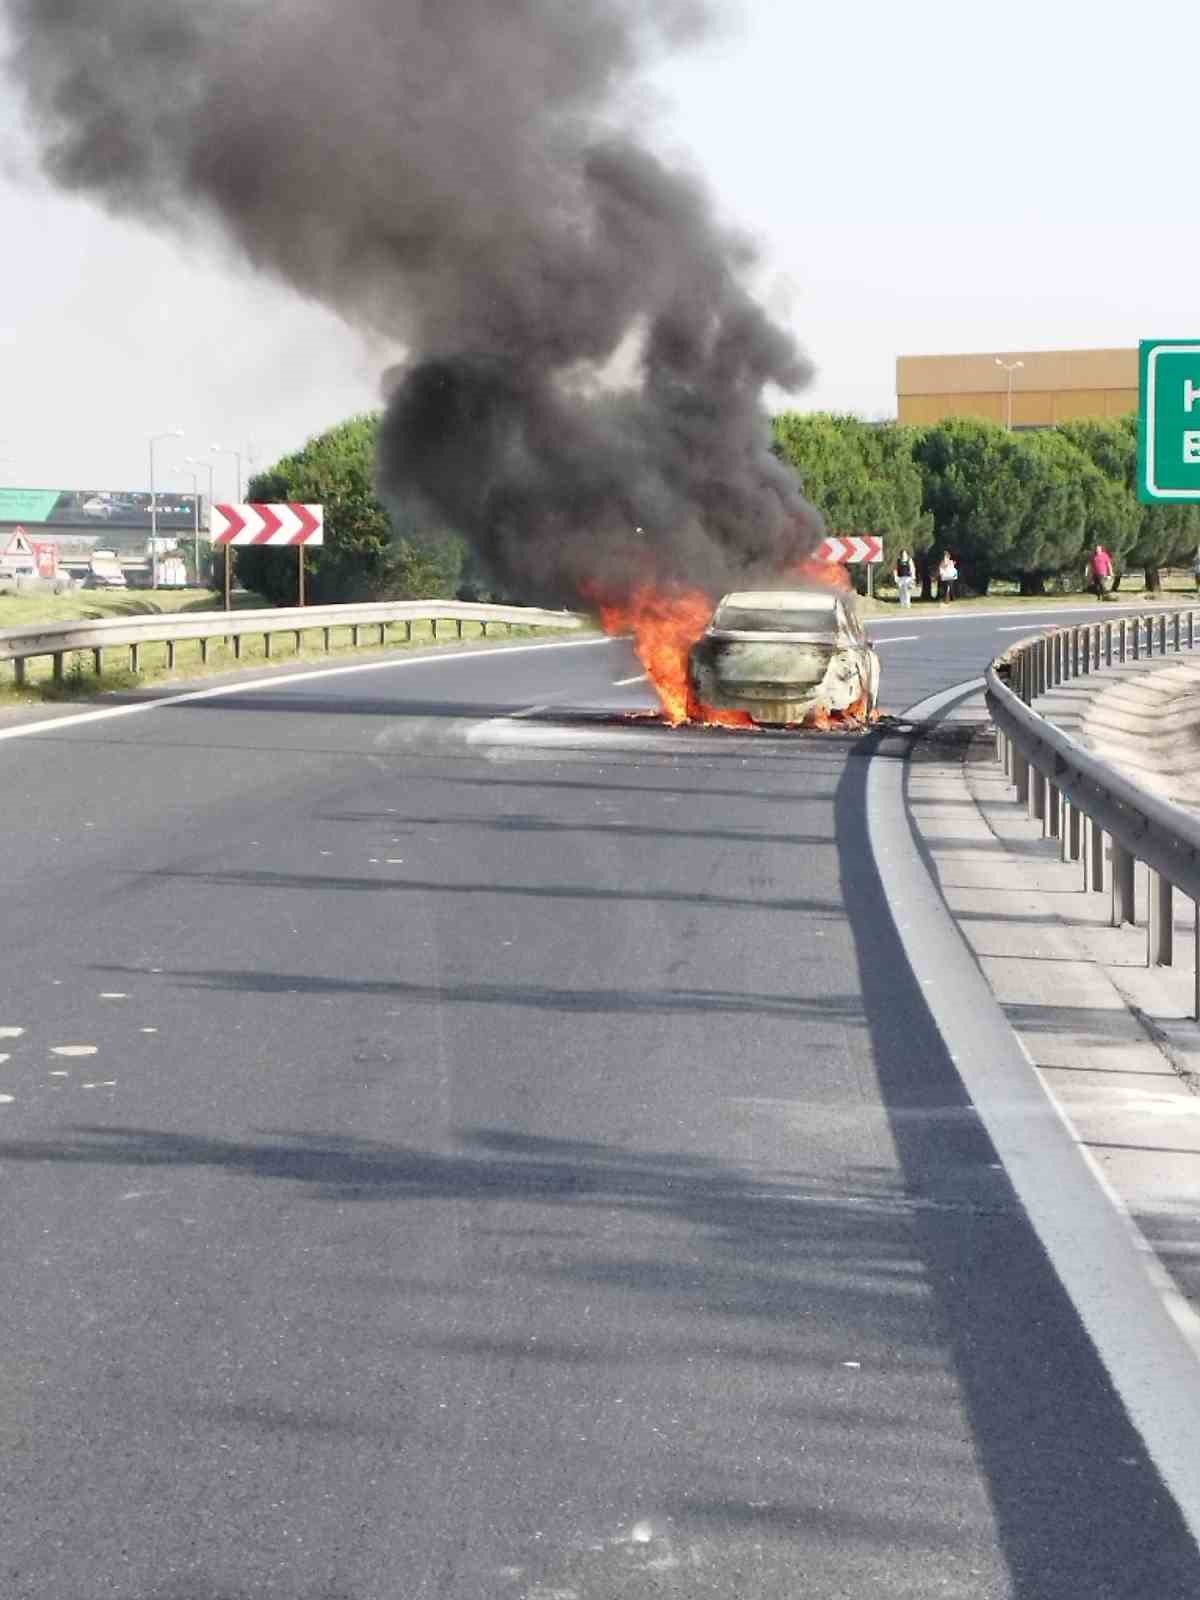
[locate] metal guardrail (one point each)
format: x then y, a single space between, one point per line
1081 799
61 639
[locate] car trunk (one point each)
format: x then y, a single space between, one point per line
769 669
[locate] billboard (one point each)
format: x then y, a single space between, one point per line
97 509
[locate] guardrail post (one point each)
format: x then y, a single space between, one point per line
1123 639
237 647
1020 776
266 644
458 626
1137 638
1191 630
1108 650
1074 652
354 631
1037 795
1178 632
96 658
1071 848
327 632
1053 818
58 666
408 631
383 627
1093 856
19 672
135 656
1123 907
1160 923
170 655
204 652
1162 635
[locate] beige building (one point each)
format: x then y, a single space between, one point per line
1048 386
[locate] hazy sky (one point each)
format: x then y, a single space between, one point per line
921 178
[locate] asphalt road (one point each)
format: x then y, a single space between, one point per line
513 1159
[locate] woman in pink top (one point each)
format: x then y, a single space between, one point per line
1102 567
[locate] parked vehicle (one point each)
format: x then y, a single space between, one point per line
786 656
105 571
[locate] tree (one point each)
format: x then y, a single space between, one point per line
367 555
860 476
980 482
1160 534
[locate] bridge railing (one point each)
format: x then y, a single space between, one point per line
61 639
1082 799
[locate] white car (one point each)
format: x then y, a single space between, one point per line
98 507
787 656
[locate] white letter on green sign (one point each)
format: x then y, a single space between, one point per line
1191 448
1190 394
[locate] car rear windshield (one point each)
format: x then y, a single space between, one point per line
735 619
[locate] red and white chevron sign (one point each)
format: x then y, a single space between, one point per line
852 549
258 523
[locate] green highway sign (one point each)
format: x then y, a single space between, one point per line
1169 420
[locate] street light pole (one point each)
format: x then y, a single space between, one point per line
205 466
1009 368
173 433
219 450
195 477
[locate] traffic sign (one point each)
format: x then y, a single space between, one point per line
256 522
18 545
852 549
1169 420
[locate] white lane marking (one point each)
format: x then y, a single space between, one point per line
60 1072
149 1030
54 723
1020 628
11 1033
6 1100
1144 1330
394 861
623 683
896 638
114 995
74 1049
5 1057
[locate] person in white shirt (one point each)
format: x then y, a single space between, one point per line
947 576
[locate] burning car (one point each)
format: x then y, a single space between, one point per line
787 656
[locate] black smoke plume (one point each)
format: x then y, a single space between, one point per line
583 394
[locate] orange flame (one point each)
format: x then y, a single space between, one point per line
665 626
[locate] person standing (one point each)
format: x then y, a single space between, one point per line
947 576
904 578
1101 569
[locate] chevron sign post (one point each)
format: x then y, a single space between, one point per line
868 548
256 522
